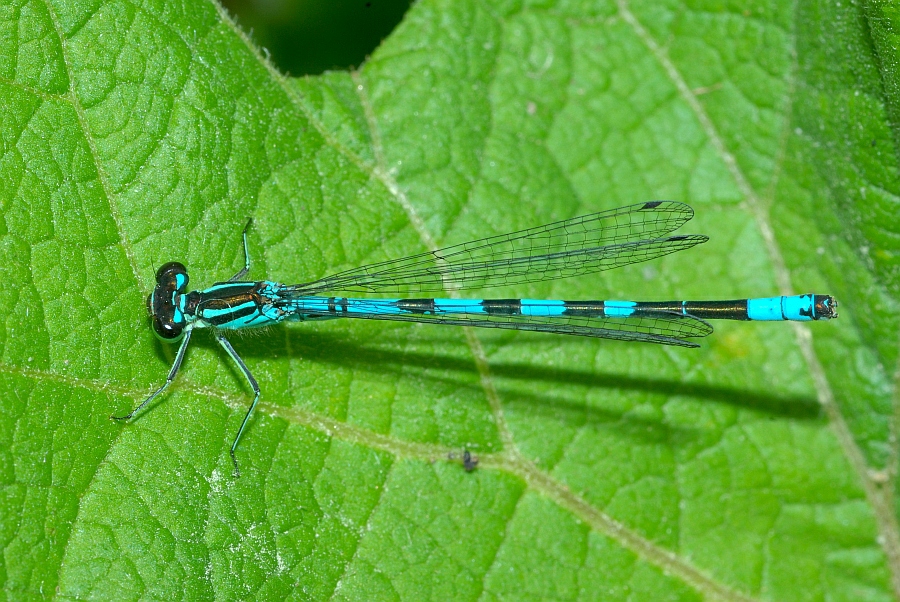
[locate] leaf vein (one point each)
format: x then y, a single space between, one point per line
882 507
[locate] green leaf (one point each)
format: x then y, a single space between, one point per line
761 466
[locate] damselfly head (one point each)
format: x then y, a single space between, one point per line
164 303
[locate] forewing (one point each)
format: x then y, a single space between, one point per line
582 245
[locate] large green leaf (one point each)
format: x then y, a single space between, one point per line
761 466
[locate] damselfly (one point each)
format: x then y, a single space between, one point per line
582 245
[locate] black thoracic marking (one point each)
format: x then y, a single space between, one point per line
191 303
502 307
417 306
651 205
227 304
229 296
231 290
585 309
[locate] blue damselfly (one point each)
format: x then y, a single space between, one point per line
582 245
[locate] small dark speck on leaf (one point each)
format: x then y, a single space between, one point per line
469 461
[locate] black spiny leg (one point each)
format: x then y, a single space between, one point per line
179 357
253 385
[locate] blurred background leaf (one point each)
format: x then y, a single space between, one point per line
307 37
762 466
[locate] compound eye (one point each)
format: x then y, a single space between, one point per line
172 274
167 330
